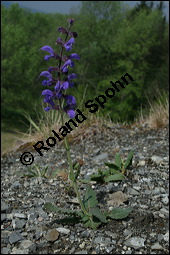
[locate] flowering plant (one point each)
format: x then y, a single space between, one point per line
60 86
90 215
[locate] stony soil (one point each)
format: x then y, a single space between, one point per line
28 229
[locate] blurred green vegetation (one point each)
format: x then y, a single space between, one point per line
112 40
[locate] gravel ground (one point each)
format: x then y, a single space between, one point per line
28 229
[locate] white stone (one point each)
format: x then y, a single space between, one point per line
20 215
157 159
165 200
156 246
166 237
65 231
26 244
135 242
141 163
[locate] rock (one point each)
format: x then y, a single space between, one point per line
111 234
65 231
165 200
102 240
15 184
157 159
4 206
158 190
52 235
117 198
3 217
15 237
5 250
18 251
27 244
141 163
133 192
85 234
127 232
20 215
135 242
166 237
156 246
19 224
81 252
101 157
165 212
96 152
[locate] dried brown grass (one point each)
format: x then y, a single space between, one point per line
158 115
41 131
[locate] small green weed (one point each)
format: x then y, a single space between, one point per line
93 216
34 171
116 171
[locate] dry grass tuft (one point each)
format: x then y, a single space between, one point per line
48 122
158 116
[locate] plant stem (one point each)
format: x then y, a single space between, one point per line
67 147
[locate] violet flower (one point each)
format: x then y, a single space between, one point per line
68 45
64 80
50 50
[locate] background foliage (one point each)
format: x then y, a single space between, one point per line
113 40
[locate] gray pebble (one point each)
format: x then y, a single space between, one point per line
135 242
52 235
102 240
101 157
156 246
15 237
65 231
4 206
157 159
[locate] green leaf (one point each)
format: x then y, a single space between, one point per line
98 214
106 172
112 166
119 213
77 173
85 218
118 160
129 160
90 199
96 177
29 175
44 171
33 172
52 208
76 166
85 180
113 171
92 224
71 176
115 177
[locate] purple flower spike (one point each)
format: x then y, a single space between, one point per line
47 92
65 85
70 21
62 30
58 75
57 86
47 83
70 100
64 68
71 113
74 56
50 50
46 74
48 108
68 45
